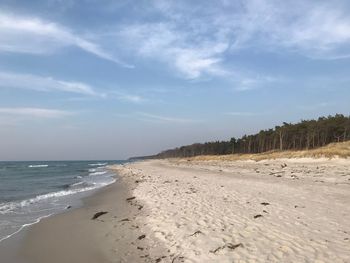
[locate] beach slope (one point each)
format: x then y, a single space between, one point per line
284 210
104 230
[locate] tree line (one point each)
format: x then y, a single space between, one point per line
306 134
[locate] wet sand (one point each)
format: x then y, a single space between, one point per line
75 237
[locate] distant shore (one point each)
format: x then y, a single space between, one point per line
180 210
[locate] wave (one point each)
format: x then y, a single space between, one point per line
37 165
81 185
76 184
97 164
9 207
98 173
23 226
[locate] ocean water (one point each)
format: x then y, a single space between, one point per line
30 191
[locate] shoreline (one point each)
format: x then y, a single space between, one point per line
24 206
205 211
73 236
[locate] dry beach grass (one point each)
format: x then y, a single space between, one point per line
333 150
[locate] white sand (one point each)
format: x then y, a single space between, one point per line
204 211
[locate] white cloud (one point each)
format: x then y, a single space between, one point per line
185 52
246 83
36 36
49 84
199 41
34 112
313 29
39 83
158 118
128 97
131 98
322 29
319 30
241 113
316 106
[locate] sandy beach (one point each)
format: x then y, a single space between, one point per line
246 211
172 131
74 236
286 210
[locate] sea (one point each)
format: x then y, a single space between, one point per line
31 191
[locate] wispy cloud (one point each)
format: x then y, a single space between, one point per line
128 97
314 30
315 106
35 112
196 40
158 118
241 113
39 83
50 84
244 82
187 53
36 36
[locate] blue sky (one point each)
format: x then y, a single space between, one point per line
93 79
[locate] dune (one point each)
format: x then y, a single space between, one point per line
333 150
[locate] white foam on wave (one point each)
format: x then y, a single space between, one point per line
9 207
97 164
38 165
23 226
13 205
76 184
98 173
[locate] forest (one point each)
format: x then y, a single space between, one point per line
306 134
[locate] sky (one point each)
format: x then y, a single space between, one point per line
103 79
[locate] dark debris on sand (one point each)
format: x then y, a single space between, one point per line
229 246
98 214
141 237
